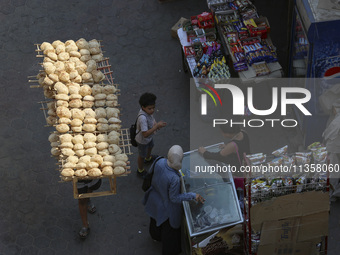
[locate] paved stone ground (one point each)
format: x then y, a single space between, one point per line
38 214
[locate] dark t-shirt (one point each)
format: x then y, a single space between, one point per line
232 159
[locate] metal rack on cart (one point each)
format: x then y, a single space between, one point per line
251 197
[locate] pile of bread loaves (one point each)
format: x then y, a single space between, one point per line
83 111
89 154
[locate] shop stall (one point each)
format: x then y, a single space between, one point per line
287 209
202 53
81 106
242 36
283 205
314 54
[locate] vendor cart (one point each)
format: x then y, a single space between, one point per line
221 208
62 91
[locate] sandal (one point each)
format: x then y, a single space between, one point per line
91 208
84 232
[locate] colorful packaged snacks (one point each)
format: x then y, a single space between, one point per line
314 146
212 64
249 23
276 162
220 8
240 27
189 51
240 66
320 155
232 38
288 181
288 161
300 182
240 57
228 29
241 4
280 152
219 70
256 159
249 13
302 158
261 68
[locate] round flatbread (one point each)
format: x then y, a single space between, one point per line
67 172
107 170
118 170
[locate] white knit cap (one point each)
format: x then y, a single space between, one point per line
175 157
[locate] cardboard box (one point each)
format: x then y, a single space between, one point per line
177 26
296 235
312 227
304 248
289 206
309 228
278 232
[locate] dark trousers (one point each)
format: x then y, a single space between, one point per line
169 236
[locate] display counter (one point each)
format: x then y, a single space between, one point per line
221 208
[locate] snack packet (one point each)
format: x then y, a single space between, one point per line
314 146
256 159
276 162
302 158
320 155
288 161
280 152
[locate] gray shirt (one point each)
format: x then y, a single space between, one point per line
144 123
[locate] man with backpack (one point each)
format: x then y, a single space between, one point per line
163 201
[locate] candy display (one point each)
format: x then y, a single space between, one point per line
203 20
216 2
189 51
258 27
227 18
261 68
219 8
245 35
203 52
212 64
219 70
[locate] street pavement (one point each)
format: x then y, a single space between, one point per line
38 214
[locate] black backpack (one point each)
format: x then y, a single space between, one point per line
148 177
133 130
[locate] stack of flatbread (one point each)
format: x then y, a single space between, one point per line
83 110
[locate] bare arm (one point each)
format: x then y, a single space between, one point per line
225 151
229 148
155 127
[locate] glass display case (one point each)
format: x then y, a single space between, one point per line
221 208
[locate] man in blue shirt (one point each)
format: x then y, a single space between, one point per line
163 201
